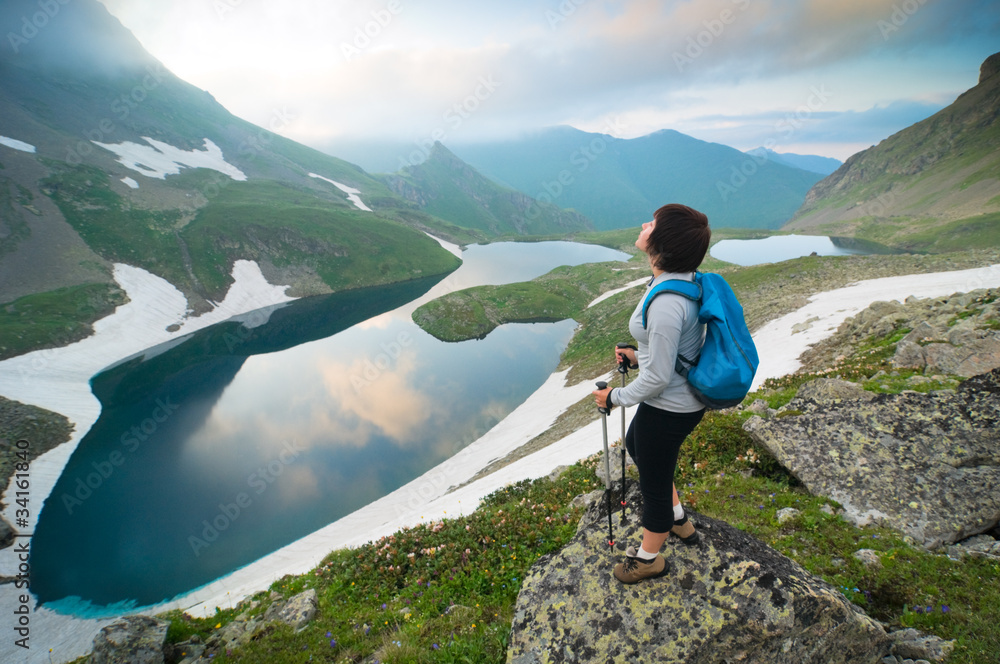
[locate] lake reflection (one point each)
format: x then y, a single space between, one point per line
777 248
243 438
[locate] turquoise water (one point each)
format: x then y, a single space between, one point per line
777 248
214 452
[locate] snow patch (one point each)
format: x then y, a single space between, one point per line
450 246
631 284
158 159
16 144
352 193
781 342
130 182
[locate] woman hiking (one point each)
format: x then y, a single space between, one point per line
675 242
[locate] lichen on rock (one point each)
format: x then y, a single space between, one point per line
730 598
925 464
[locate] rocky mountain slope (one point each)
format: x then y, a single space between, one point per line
933 186
620 182
448 188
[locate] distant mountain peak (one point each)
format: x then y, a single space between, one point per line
990 67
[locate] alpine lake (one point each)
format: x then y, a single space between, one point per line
217 449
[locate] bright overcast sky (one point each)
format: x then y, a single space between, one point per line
826 77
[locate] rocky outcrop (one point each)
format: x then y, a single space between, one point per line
730 598
131 640
958 334
925 464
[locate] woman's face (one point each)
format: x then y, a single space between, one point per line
642 241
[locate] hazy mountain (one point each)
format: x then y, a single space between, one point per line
807 162
448 188
620 182
106 120
932 186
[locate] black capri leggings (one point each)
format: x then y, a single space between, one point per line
653 441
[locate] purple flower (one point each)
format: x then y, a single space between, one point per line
383 606
945 608
435 646
328 635
918 609
333 643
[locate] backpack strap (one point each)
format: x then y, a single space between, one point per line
689 289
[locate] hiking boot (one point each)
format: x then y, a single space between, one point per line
636 569
685 531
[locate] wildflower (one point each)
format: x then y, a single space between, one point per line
945 608
328 635
435 646
333 643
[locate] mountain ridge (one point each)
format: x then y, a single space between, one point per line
447 187
929 186
619 182
73 97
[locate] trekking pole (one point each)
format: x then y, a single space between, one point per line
607 465
623 367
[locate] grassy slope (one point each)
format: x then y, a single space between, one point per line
935 179
252 220
451 589
56 318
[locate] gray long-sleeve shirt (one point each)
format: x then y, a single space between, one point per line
671 326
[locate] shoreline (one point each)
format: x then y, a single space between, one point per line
430 497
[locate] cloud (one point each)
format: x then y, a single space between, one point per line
556 62
378 392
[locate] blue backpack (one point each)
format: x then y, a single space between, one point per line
722 373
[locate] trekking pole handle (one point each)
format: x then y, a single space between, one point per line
623 364
601 385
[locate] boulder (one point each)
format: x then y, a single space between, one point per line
299 610
911 644
131 640
925 464
832 391
731 598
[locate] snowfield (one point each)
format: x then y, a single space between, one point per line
352 193
16 144
158 159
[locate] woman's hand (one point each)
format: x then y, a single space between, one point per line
602 398
627 352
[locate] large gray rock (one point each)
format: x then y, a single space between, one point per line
131 640
925 464
729 599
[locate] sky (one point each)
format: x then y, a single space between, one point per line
827 77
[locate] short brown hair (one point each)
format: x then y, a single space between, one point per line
680 238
